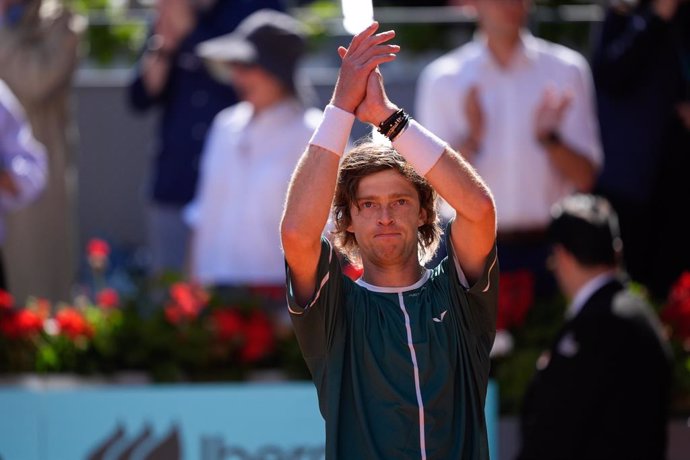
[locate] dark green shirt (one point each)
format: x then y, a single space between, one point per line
401 373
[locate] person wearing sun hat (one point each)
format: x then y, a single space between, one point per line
268 39
249 154
171 78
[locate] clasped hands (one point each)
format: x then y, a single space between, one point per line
360 89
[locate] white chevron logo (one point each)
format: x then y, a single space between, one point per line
440 318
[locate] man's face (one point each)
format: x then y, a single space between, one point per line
561 264
254 85
502 16
386 218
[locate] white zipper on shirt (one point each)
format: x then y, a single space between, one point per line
417 386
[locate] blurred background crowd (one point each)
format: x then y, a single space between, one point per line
159 138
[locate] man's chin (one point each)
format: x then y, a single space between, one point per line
387 254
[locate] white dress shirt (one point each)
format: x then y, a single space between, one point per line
586 291
511 161
246 166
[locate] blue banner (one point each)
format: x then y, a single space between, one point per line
262 421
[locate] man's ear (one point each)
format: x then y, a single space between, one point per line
422 217
353 209
564 256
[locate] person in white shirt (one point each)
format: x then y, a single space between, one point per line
250 152
23 162
521 110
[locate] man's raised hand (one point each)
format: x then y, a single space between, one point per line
366 51
376 106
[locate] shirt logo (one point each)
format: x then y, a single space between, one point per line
440 318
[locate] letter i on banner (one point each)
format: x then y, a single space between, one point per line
357 15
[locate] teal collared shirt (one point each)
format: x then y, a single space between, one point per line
401 373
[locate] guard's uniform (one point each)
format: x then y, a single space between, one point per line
401 373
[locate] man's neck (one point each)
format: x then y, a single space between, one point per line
585 275
269 100
392 275
503 47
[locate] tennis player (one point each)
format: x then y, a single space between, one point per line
400 357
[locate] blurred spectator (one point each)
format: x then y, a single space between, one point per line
171 76
641 67
23 166
602 390
251 151
521 110
38 56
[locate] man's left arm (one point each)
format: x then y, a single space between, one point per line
473 231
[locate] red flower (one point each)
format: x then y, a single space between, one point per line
515 297
20 324
173 314
97 251
677 310
190 298
260 340
108 298
73 324
227 324
97 248
6 300
186 302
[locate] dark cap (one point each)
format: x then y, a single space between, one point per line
271 39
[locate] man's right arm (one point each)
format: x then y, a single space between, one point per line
313 182
306 211
153 72
176 20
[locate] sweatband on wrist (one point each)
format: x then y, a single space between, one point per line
333 132
419 146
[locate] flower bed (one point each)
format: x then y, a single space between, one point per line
171 330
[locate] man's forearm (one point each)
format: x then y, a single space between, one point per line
474 228
312 185
310 194
572 165
155 71
306 212
458 183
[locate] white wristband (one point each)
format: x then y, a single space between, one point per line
419 146
333 132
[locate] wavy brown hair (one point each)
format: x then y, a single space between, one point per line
368 158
